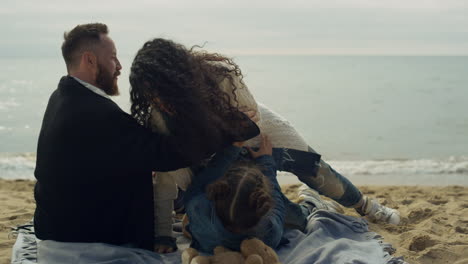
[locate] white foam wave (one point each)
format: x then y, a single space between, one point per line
8 104
22 82
21 166
451 165
17 166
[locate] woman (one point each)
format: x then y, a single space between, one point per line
179 90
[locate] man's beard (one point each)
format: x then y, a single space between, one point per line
105 81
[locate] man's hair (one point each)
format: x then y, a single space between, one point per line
79 39
241 197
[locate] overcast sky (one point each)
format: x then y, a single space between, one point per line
370 27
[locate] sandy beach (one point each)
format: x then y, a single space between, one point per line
16 207
434 226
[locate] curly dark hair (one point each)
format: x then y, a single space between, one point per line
184 84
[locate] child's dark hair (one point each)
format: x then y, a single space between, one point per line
241 197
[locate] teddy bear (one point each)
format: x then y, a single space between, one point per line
252 251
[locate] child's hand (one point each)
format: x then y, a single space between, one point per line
265 148
163 249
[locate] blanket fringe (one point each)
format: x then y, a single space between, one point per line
397 260
29 247
388 249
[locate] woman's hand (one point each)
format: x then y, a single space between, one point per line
265 148
252 114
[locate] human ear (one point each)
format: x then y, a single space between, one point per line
89 59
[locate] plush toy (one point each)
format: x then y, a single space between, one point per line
252 251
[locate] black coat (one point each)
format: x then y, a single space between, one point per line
93 170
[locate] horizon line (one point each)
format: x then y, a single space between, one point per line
278 54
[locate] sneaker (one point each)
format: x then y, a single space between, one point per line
312 200
379 213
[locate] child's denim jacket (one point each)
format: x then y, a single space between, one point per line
207 229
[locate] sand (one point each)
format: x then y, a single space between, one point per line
16 207
434 225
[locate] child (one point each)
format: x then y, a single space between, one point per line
231 200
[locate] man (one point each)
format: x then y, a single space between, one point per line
94 161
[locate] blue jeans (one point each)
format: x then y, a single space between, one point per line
315 173
318 175
295 216
334 185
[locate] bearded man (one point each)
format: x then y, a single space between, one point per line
94 161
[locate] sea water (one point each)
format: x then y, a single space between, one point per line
375 119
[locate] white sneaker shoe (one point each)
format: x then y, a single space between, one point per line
311 197
379 213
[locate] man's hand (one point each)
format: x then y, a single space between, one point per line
238 144
163 249
265 148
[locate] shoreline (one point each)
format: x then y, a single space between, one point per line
435 180
434 226
446 171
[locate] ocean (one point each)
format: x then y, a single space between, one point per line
380 120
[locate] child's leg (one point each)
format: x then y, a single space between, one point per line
326 181
165 191
183 178
295 216
332 184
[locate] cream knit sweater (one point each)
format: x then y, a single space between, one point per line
279 130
